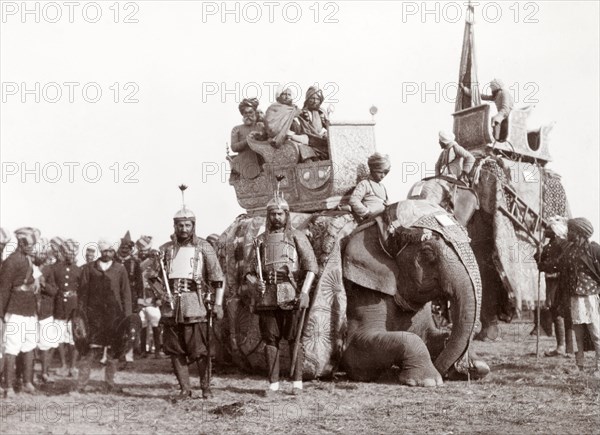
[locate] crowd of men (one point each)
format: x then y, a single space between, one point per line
98 311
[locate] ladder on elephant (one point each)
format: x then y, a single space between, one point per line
522 215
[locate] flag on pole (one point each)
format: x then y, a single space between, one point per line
468 66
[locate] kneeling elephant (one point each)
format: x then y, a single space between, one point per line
413 253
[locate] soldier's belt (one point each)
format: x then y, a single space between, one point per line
277 277
69 294
181 285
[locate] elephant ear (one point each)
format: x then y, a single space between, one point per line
367 264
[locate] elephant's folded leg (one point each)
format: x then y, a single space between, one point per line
369 354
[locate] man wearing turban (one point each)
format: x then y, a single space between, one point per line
148 302
134 274
370 196
19 287
504 104
105 300
579 267
314 122
65 276
454 160
246 163
283 125
556 234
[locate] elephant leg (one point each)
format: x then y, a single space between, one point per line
367 355
478 368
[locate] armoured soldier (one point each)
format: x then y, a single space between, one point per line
189 271
285 269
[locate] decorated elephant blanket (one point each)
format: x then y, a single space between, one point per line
360 267
507 248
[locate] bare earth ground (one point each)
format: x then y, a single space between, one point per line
518 396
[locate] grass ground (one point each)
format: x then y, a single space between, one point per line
520 395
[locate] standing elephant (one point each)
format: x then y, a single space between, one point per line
414 253
500 228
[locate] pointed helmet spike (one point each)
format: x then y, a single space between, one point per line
278 202
184 213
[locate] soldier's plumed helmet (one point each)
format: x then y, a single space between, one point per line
185 214
278 203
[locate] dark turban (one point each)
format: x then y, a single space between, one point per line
582 226
248 102
313 90
379 162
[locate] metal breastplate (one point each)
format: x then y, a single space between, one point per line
182 263
280 267
281 258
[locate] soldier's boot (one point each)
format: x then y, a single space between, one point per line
109 376
182 374
272 358
297 374
143 336
157 341
202 365
559 327
28 373
85 368
10 375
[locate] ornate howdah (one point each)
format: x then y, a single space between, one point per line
312 186
473 131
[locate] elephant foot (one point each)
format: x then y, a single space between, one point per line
426 376
489 333
477 369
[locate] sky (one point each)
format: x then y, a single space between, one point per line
108 106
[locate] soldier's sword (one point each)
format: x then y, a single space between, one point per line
297 342
166 282
209 326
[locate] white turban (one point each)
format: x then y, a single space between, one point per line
28 234
446 137
558 225
496 84
105 244
282 88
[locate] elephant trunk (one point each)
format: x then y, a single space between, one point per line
463 311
